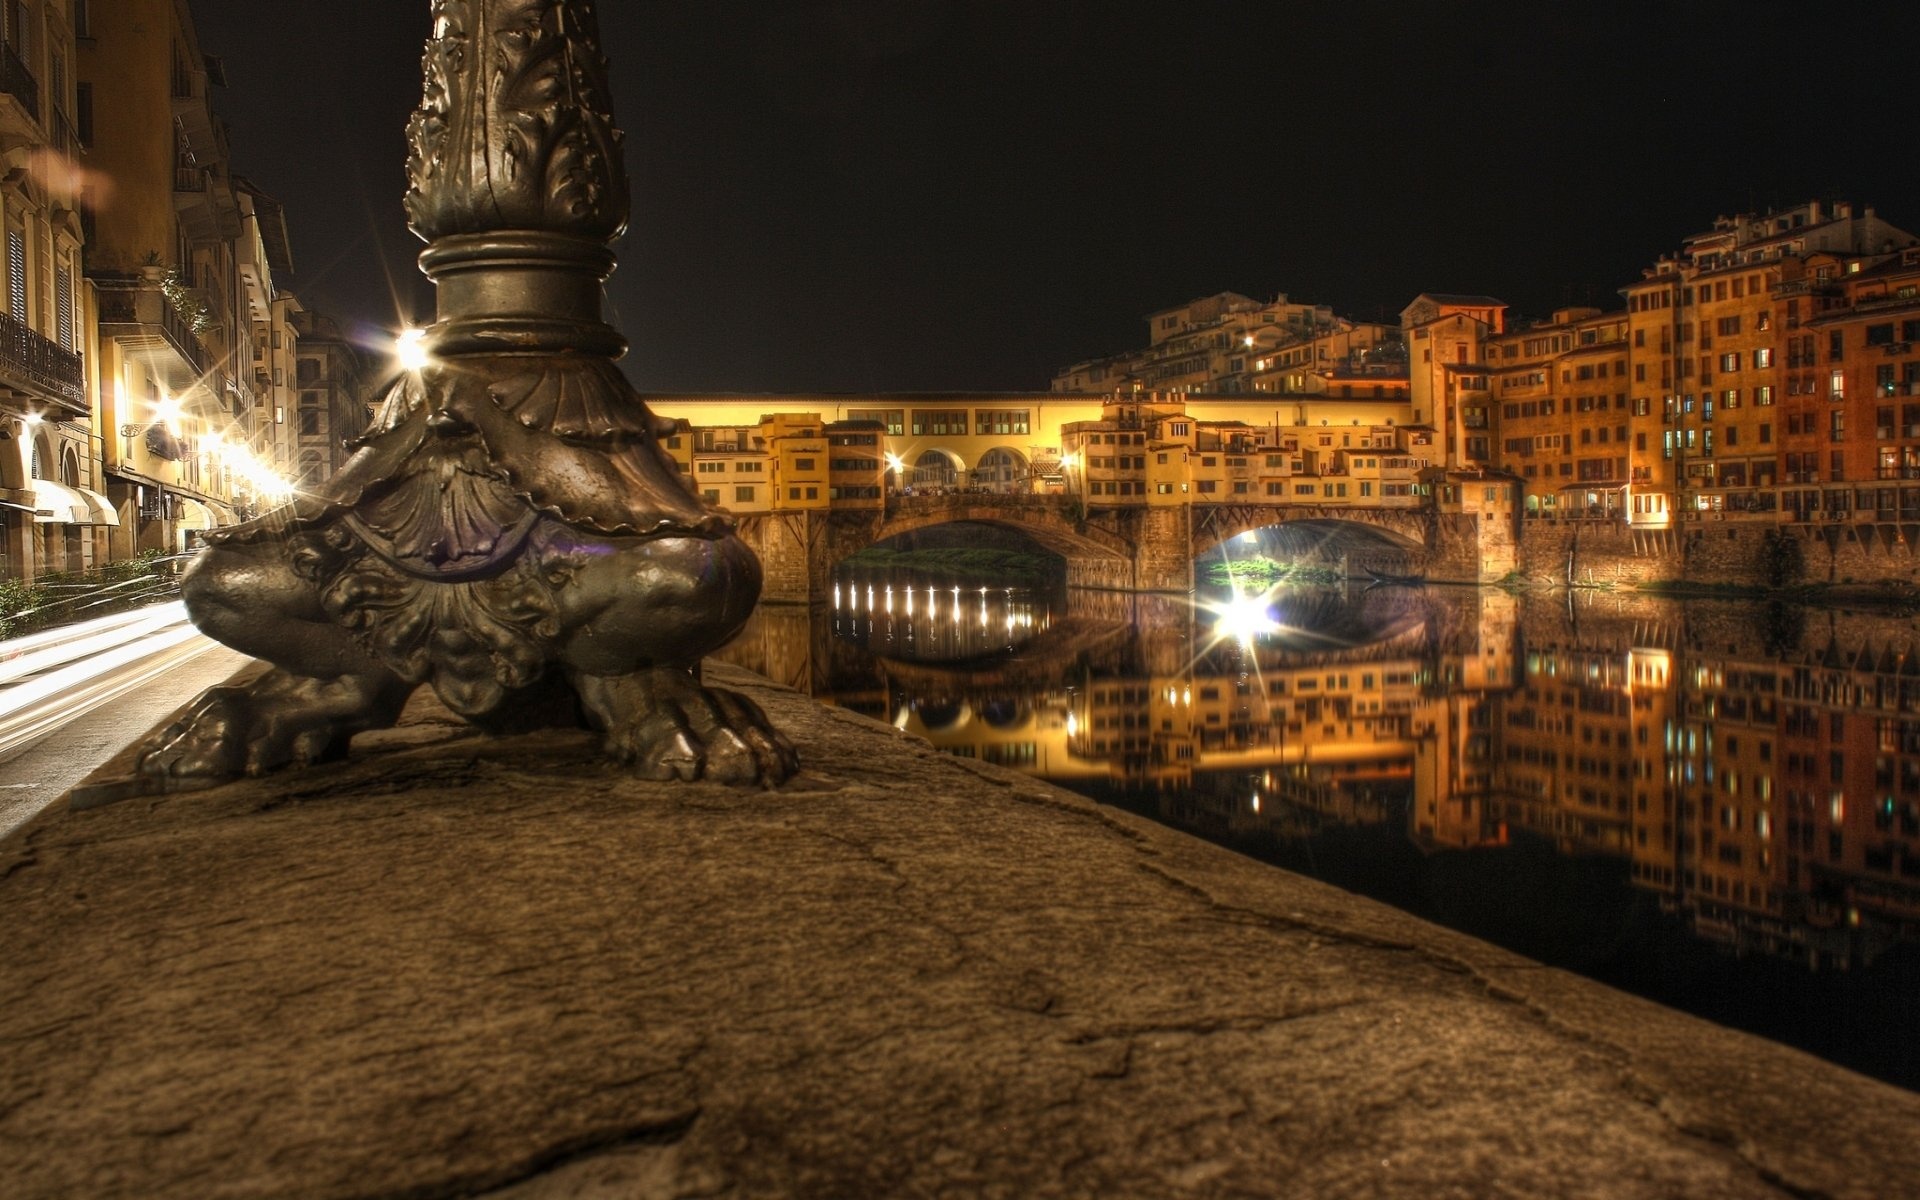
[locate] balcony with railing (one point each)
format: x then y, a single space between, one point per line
18 82
40 367
139 313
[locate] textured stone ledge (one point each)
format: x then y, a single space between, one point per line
454 967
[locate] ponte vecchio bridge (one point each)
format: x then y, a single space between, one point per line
1130 548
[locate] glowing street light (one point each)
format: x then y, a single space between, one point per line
410 348
168 411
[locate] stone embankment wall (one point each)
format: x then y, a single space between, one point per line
1470 548
1719 552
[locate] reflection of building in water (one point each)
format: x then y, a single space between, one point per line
1774 805
1565 762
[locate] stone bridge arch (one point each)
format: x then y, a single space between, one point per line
799 550
1402 535
1052 521
1095 557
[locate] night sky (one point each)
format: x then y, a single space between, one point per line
859 195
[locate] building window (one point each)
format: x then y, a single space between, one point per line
803 464
1001 421
63 307
17 274
892 418
1763 358
939 422
743 495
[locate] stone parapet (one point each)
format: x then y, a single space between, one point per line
455 966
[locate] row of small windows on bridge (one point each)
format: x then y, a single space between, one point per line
747 494
1211 487
953 422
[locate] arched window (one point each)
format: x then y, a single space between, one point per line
932 469
1001 470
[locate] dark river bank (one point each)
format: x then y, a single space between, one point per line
1709 803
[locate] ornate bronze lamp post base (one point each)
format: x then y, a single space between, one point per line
510 532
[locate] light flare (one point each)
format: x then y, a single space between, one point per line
410 350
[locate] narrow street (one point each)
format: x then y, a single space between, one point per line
72 698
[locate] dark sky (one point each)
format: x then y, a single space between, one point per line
852 195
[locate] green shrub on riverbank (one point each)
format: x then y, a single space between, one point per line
1005 568
1266 570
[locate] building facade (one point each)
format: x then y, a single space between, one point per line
333 386
53 516
1229 344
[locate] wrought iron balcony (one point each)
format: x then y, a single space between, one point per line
41 366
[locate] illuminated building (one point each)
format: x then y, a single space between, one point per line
1559 388
332 386
1737 387
1875 387
1448 372
1229 344
181 264
784 462
52 513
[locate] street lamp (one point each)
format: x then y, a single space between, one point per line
410 350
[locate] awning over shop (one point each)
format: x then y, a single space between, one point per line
196 514
62 504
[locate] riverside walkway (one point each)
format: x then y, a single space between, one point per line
464 967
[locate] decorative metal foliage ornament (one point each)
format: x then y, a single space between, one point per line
510 531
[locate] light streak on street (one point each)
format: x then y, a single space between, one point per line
50 682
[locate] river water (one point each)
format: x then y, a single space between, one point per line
1715 805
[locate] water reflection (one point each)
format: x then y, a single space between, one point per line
898 616
1717 805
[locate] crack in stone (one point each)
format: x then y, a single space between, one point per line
1240 1023
1623 1059
668 1132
